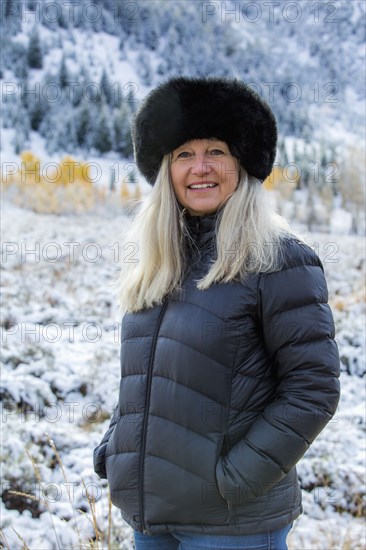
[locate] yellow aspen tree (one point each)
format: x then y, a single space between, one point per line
137 194
272 180
30 168
124 193
69 168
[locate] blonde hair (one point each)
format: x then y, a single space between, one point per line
248 240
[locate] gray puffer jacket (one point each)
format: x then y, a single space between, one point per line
222 391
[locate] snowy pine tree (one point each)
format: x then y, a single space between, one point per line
85 125
103 134
59 129
63 74
35 57
21 129
10 16
122 142
37 109
143 68
106 88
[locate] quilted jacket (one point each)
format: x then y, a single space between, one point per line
222 391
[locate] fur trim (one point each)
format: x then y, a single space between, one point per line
186 108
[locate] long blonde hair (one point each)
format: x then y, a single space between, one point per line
248 240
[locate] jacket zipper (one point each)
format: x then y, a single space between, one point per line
230 508
146 415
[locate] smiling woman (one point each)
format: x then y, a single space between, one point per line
204 174
227 345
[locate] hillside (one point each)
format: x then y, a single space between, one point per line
74 72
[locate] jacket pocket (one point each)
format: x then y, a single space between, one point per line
99 453
228 486
99 460
180 487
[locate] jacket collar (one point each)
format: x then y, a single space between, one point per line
199 225
201 242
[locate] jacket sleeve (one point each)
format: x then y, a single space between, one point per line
298 334
99 451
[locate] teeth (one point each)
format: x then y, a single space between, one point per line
202 185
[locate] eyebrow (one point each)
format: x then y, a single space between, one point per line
212 140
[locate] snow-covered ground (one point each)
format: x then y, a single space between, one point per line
60 377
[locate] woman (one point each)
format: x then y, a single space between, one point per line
229 364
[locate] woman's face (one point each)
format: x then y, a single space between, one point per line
204 174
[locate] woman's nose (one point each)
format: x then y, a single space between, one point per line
201 165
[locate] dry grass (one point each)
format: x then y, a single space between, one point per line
98 542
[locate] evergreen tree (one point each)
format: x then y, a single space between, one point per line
8 8
91 91
10 111
22 130
112 179
103 135
106 88
67 133
150 27
122 141
62 19
10 13
63 75
21 69
129 19
46 128
85 126
173 55
59 129
38 108
25 97
121 48
143 68
131 99
131 177
35 57
109 20
80 91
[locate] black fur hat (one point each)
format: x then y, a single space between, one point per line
186 108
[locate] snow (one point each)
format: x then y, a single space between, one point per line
341 221
60 380
60 321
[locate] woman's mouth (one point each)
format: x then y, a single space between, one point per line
202 185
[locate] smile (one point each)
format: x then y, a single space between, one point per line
202 185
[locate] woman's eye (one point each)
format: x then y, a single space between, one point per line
217 152
183 154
